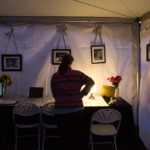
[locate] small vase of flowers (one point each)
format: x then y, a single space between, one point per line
115 81
6 81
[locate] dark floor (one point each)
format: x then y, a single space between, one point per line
50 144
140 144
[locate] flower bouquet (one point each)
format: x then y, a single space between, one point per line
5 81
115 80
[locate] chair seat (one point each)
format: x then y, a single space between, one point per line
46 125
103 129
27 125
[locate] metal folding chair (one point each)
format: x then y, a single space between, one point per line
48 111
26 116
102 125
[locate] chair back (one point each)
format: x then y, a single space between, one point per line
26 109
106 116
48 109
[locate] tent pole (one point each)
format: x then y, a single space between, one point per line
138 69
65 19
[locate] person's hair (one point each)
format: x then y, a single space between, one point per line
67 59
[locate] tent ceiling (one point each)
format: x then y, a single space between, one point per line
82 8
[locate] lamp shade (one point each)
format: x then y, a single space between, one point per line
108 91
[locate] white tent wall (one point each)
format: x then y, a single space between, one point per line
36 41
144 107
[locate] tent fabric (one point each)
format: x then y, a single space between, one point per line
36 41
144 109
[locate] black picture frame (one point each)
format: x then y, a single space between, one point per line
148 52
57 55
98 54
11 62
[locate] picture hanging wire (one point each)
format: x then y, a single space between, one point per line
62 31
97 31
9 38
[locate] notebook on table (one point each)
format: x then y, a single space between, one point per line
36 92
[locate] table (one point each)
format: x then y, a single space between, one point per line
11 101
126 134
98 101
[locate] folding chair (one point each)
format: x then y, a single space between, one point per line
26 116
105 122
48 122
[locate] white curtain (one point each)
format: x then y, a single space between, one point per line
36 41
144 109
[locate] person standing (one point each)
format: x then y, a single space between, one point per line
66 86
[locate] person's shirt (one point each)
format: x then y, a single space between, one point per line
66 89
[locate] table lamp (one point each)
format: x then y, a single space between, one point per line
93 90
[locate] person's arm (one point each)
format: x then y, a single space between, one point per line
88 82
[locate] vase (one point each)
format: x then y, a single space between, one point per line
5 95
116 92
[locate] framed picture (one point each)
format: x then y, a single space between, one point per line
11 62
57 55
148 52
98 54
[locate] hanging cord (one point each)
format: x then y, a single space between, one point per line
14 40
62 31
9 38
97 31
9 34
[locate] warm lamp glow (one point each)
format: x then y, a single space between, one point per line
93 90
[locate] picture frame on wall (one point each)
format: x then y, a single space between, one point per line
11 62
148 52
57 55
98 54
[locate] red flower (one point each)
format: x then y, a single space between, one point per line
119 78
115 80
112 79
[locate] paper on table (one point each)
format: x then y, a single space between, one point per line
8 102
98 101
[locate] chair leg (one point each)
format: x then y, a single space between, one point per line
16 138
43 141
115 143
91 141
39 130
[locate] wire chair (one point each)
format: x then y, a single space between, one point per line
48 110
22 114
